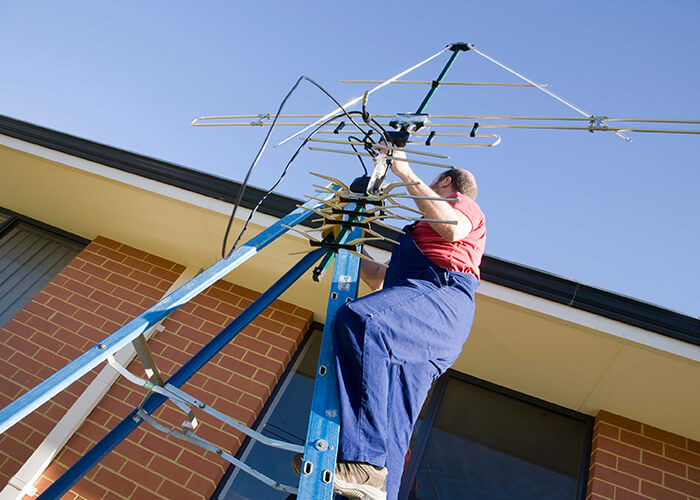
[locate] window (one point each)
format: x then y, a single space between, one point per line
472 440
490 443
285 418
31 254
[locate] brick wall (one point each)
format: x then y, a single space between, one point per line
634 461
102 288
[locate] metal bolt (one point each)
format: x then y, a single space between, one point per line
321 445
102 347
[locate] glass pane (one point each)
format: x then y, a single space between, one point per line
490 446
287 419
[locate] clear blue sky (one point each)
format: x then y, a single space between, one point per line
591 207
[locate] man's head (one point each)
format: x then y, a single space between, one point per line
454 180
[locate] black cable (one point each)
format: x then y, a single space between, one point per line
362 162
284 172
259 154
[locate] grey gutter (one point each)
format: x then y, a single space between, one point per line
498 271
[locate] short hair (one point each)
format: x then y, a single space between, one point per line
462 180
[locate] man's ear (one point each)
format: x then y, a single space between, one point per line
446 181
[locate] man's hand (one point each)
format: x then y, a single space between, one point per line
400 165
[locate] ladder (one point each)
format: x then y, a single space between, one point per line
342 245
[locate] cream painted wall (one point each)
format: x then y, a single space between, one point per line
565 356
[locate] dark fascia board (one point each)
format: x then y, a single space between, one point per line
498 271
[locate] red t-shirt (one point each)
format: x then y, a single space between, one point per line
463 255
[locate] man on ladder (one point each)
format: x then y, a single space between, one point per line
391 344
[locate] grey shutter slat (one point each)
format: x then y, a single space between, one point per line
29 258
10 242
23 259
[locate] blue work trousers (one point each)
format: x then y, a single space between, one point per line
390 345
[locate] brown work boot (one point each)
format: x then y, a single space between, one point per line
360 480
354 480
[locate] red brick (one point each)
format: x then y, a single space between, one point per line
254 403
69 323
626 423
169 276
210 315
160 262
80 444
111 254
277 340
50 359
97 271
133 263
694 446
172 490
112 315
89 256
87 488
105 286
615 477
42 311
682 455
21 359
222 390
202 485
663 464
106 242
293 321
15 449
268 324
262 362
92 334
193 335
601 488
136 452
43 325
105 299
75 274
678 484
694 474
116 267
143 494
660 493
146 278
292 333
251 344
112 481
664 436
638 470
133 252
245 292
280 355
149 291
25 379
20 344
229 310
240 413
78 287
130 309
161 445
63 306
125 294
621 494
199 463
169 468
87 318
641 442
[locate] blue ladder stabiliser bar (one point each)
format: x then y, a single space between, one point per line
318 469
64 483
35 397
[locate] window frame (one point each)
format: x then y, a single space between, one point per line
431 412
244 449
